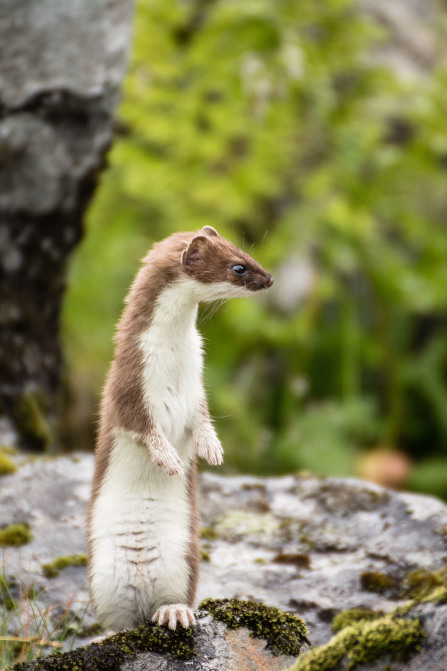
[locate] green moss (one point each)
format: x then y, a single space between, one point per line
208 534
375 581
352 615
420 583
68 661
109 654
363 642
284 633
438 595
31 422
7 466
15 534
53 568
205 555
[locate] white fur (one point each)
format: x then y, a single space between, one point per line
139 538
140 519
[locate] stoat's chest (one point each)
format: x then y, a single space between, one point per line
172 378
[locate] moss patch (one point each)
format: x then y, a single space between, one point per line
208 534
352 615
15 534
52 569
375 581
205 555
68 661
420 583
112 652
7 466
29 415
363 642
284 633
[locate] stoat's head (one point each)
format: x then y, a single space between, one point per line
220 268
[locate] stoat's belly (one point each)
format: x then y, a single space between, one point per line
139 538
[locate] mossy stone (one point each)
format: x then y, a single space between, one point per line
364 642
284 634
108 655
15 534
52 569
421 583
66 661
347 617
31 422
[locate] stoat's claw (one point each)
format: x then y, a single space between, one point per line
173 614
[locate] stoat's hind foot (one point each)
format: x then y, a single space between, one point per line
173 614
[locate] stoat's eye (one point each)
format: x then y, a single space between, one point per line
238 269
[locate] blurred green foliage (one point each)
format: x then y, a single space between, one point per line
268 120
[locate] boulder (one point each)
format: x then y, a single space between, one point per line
313 547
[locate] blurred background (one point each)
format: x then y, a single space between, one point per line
314 135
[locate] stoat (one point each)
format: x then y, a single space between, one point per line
154 420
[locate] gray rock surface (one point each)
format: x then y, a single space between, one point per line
296 542
61 67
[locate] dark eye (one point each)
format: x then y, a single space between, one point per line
239 270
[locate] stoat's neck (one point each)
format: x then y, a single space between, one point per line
175 312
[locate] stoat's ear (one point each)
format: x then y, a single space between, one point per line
209 230
195 249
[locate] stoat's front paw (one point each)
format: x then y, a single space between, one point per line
164 454
173 614
209 447
170 462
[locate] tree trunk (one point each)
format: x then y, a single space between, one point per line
61 67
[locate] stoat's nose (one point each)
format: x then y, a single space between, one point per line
269 281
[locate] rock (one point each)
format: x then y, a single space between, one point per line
213 645
310 546
59 86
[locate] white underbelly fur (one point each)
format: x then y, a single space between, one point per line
139 538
